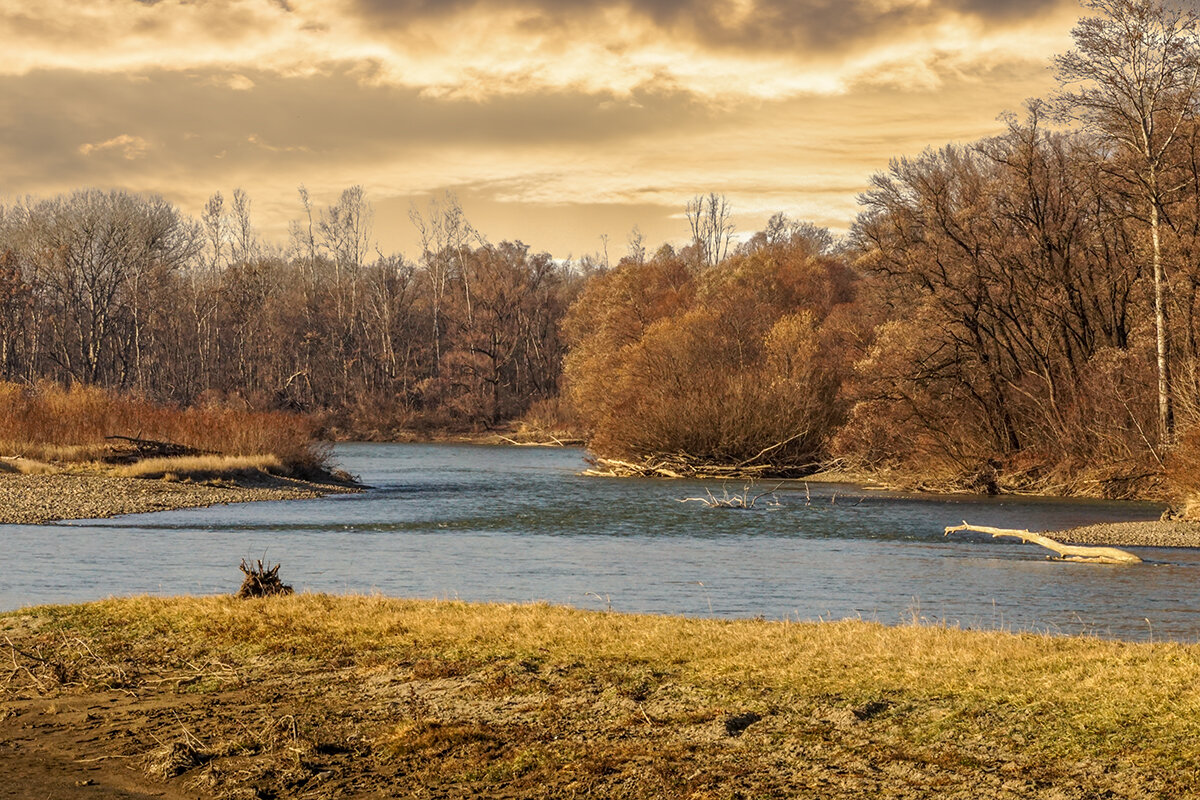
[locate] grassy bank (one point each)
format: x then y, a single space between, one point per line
318 696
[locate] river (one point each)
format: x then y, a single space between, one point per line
521 524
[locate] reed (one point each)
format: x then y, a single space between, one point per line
203 468
49 422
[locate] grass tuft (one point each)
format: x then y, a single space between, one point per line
26 466
203 468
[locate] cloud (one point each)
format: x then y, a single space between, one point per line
535 109
257 141
482 48
128 147
236 81
813 25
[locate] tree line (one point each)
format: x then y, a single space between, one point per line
123 291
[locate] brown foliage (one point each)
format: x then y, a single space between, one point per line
1014 334
717 367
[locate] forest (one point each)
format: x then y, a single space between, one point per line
1017 313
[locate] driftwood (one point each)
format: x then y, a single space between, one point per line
682 466
553 442
1066 552
138 449
262 581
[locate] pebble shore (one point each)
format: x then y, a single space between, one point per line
33 499
1153 533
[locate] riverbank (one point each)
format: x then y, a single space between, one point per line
321 696
33 499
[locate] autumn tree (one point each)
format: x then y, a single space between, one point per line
723 368
1009 271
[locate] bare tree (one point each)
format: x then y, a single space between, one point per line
1132 79
445 234
303 239
215 225
712 227
245 242
636 250
92 253
346 230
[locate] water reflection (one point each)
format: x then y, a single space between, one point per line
521 524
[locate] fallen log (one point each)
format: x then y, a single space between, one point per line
138 449
1066 552
727 500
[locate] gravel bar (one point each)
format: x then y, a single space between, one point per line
32 499
1153 533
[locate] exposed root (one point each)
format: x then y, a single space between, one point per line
262 581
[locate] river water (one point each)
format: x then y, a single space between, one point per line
521 524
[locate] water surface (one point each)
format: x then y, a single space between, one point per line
521 524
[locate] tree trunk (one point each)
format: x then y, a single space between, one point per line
1166 421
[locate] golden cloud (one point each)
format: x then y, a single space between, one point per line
527 104
128 147
737 48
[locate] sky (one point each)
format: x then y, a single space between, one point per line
562 123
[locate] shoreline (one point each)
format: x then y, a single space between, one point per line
40 499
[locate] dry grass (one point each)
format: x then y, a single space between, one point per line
537 701
51 423
203 468
26 466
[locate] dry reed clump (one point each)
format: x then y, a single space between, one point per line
203 468
51 423
175 758
26 466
